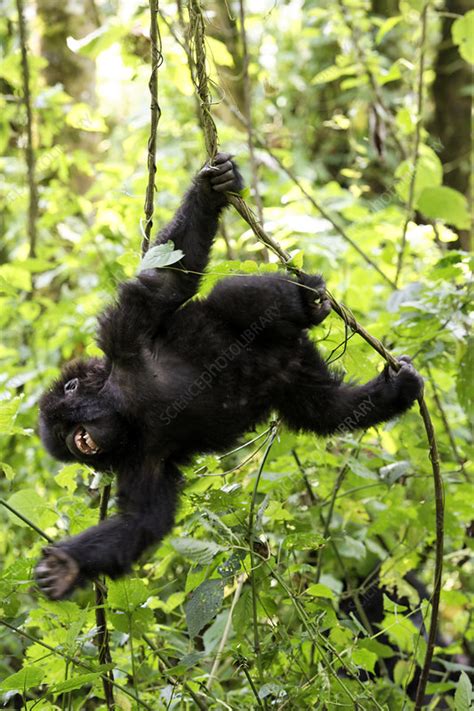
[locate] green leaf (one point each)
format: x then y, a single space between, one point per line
8 413
14 277
204 603
26 678
364 659
33 507
429 173
67 477
463 695
8 471
386 27
128 594
77 682
444 204
463 35
197 551
332 73
159 256
319 590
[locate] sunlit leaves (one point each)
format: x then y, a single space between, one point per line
463 32
445 204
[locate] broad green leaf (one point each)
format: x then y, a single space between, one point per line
219 52
319 590
128 594
137 622
429 173
77 682
463 35
403 672
26 678
203 605
67 477
446 204
159 256
365 659
463 697
15 277
33 507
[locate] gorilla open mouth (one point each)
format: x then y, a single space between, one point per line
84 442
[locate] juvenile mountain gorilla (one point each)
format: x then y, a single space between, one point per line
181 377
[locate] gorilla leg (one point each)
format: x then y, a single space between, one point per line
272 301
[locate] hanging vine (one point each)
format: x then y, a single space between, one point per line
201 82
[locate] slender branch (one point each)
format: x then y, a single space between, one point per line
156 62
439 549
210 132
416 143
309 488
317 205
200 77
250 529
29 151
26 520
102 636
327 522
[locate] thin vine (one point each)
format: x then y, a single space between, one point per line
201 81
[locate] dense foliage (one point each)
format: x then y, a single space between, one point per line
300 570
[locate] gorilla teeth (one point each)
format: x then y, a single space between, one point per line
84 442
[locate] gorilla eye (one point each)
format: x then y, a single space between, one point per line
71 386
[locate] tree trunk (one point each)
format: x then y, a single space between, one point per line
452 115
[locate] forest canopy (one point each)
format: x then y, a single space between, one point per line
302 572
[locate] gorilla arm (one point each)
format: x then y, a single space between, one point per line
147 302
146 515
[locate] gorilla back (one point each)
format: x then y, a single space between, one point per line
181 377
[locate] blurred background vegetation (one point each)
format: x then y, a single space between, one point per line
361 108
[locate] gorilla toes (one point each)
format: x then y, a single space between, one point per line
57 573
313 292
407 380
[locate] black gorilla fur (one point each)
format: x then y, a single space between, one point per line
181 377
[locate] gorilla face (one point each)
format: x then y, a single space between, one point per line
78 420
